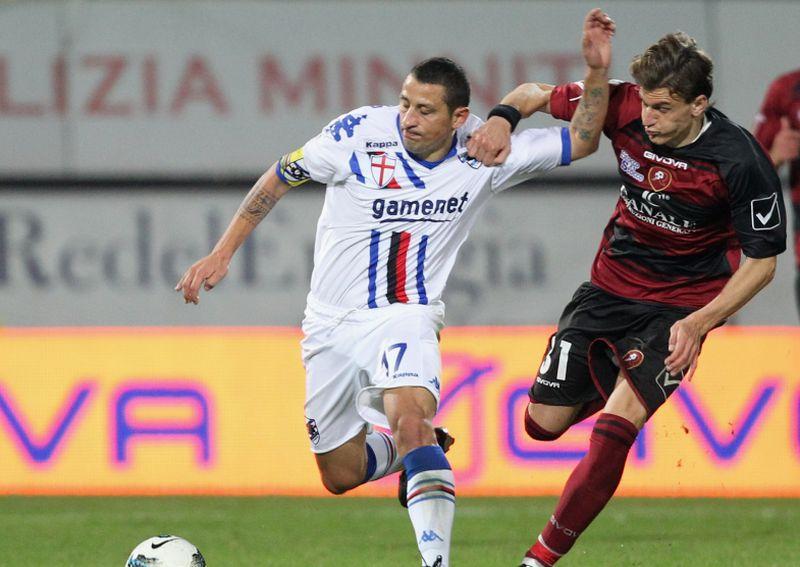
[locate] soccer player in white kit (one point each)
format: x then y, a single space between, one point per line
401 196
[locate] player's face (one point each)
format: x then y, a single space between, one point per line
668 119
426 123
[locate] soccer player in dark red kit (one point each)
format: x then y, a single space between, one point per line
697 192
778 130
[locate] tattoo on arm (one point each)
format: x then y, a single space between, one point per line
586 114
256 205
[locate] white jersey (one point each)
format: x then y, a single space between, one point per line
392 223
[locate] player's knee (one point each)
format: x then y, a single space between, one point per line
333 488
413 431
338 478
337 483
537 432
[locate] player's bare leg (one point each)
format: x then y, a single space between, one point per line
365 457
431 487
345 467
547 423
624 403
595 479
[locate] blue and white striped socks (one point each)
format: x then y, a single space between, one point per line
431 502
382 457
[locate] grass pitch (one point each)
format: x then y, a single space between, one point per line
354 532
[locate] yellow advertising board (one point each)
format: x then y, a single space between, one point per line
220 411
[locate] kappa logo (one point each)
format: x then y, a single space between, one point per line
632 358
659 178
435 382
764 212
380 144
428 536
630 166
313 430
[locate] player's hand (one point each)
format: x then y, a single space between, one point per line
598 29
786 146
491 143
207 273
685 339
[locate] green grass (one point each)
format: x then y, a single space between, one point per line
353 532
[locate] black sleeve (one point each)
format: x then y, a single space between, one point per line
757 208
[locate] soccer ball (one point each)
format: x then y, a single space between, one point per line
165 551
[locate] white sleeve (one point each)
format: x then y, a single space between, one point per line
323 159
533 151
327 156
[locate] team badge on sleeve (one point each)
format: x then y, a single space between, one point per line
765 213
292 170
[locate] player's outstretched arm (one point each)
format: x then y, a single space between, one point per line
686 335
491 143
586 125
209 271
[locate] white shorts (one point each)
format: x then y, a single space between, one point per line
351 357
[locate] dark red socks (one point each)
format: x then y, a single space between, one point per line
589 487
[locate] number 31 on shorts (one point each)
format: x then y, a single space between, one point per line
563 358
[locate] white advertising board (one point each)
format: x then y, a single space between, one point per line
218 88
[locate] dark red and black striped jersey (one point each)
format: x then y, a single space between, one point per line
684 214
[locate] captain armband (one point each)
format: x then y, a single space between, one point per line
291 169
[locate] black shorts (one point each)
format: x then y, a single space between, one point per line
595 332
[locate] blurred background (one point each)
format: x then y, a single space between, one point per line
130 132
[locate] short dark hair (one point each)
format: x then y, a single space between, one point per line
449 74
675 63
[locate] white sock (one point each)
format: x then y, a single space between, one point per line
431 502
531 562
382 457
